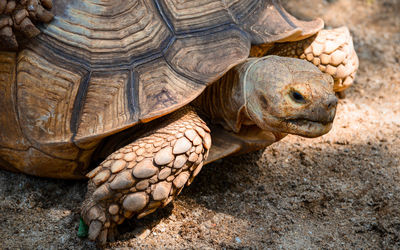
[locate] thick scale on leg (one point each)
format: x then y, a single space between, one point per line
331 51
146 174
20 15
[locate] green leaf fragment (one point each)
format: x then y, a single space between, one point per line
83 229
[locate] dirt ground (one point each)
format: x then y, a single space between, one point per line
340 191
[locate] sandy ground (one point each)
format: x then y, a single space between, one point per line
340 191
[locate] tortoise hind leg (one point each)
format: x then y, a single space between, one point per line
146 174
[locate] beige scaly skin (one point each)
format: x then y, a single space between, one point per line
21 16
331 51
264 95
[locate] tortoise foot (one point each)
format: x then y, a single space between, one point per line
21 16
146 174
102 224
332 51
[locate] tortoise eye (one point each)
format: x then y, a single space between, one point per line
297 97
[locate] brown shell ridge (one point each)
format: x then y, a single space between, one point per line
8 91
161 7
108 104
182 73
30 143
85 143
283 13
100 66
116 33
164 17
47 154
269 22
196 81
227 26
160 73
78 104
44 104
132 92
40 45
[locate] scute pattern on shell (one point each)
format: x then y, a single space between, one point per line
118 64
141 185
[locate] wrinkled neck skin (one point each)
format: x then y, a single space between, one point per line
224 103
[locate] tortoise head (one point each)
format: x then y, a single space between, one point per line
288 95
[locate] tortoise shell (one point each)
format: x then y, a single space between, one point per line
103 66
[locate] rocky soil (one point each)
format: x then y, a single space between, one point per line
340 191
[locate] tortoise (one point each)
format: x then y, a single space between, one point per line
133 91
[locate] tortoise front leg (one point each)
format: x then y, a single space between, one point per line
332 51
146 174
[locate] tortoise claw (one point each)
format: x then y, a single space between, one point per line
94 229
101 228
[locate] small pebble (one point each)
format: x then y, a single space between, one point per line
141 233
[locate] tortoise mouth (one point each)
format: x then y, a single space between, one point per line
308 128
303 121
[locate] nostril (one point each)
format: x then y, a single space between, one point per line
332 102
